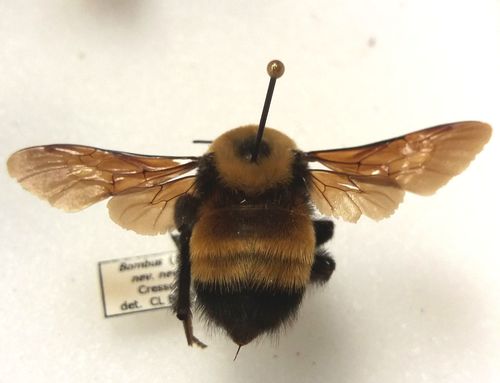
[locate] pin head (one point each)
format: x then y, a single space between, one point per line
275 69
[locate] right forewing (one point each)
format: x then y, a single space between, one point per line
420 162
371 179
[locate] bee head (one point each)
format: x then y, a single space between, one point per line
233 159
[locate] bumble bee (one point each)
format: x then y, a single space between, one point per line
250 238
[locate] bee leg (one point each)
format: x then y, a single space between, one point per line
182 305
323 230
185 213
322 268
188 330
176 240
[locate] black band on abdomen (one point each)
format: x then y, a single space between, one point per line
247 312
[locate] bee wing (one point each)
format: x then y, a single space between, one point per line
73 177
149 210
419 162
348 196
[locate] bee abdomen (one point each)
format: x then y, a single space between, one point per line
247 312
229 271
253 247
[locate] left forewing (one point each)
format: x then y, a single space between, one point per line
73 177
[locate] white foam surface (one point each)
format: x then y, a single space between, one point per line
415 298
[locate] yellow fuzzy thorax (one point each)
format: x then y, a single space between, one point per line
253 177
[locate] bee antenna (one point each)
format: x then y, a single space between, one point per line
275 69
237 352
202 141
